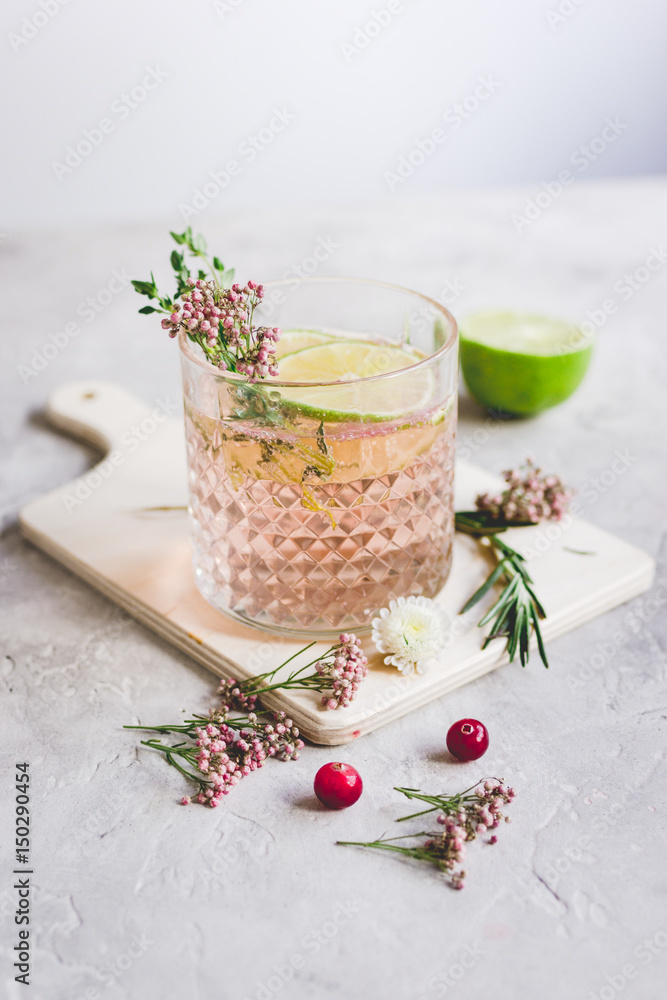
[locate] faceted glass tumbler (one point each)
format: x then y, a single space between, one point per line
315 503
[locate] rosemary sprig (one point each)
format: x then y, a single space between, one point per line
387 844
517 611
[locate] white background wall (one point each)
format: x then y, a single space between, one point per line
560 69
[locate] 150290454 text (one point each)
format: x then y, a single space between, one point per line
22 882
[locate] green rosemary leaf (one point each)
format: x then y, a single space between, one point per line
524 637
538 635
511 554
519 636
538 607
486 586
502 606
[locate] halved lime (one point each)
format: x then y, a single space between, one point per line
521 364
347 361
297 340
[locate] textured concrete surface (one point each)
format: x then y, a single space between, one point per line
135 897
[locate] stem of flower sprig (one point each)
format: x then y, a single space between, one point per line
339 672
190 726
170 753
386 844
260 679
445 803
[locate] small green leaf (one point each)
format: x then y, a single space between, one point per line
148 309
218 265
145 288
176 260
178 237
199 243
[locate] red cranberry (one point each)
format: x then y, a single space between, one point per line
468 739
338 785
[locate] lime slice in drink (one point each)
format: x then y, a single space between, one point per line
296 340
347 361
521 364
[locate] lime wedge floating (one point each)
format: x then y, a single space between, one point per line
521 364
296 340
347 361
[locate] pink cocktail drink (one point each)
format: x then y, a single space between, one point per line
327 556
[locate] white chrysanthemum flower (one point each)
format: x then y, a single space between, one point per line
412 631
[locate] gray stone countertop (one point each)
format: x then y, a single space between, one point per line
135 897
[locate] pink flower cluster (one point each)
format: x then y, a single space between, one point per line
470 820
234 696
529 497
220 321
346 667
226 756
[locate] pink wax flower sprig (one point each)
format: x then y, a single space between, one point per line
217 750
223 750
216 315
462 818
337 674
530 497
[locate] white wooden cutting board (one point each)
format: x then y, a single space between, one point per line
113 527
